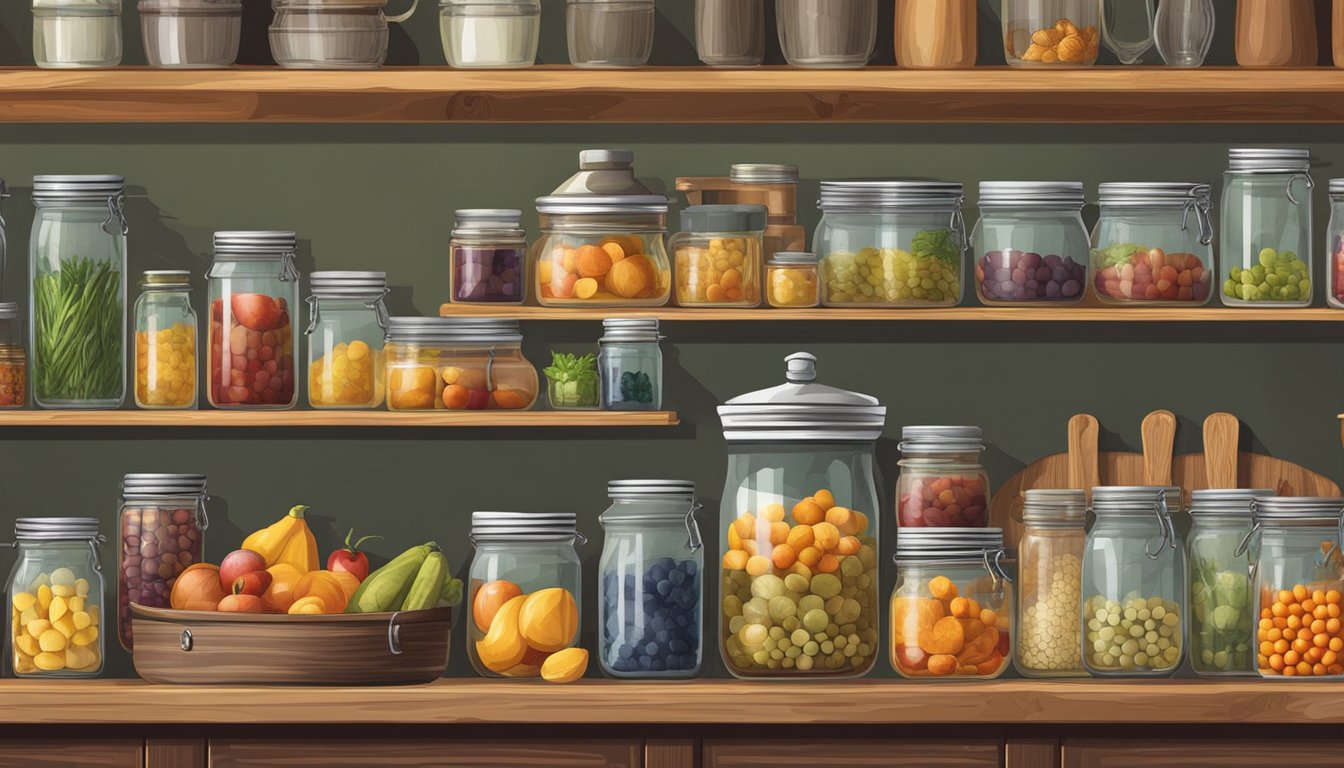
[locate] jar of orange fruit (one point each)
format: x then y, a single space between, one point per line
457 364
718 255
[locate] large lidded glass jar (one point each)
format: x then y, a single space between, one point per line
1133 584
609 33
631 364
457 364
488 249
525 590
490 34
718 255
76 34
55 596
827 34
332 34
730 33
1334 234
1153 244
77 262
191 34
1265 229
161 533
254 289
346 328
1053 33
165 341
1030 243
942 484
601 241
1222 610
1049 583
800 573
651 590
13 358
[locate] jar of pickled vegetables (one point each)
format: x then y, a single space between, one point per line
1051 33
13 357
890 243
165 341
1334 237
457 364
346 328
488 248
1265 240
55 595
951 611
254 287
1030 243
631 363
942 484
1133 584
525 590
800 572
791 280
161 533
1153 244
1049 588
1221 611
718 255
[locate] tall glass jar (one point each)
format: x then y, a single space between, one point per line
1153 244
76 34
161 533
490 34
827 34
936 34
800 576
13 358
1334 240
942 484
55 595
1049 588
1127 28
1133 584
525 591
609 33
730 33
77 262
1222 612
165 341
346 327
457 364
718 255
1030 242
254 288
651 595
488 249
631 364
1266 235
1051 33
1276 33
1183 31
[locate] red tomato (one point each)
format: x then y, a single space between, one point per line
350 559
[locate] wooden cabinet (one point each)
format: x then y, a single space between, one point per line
895 753
426 753
65 753
1198 752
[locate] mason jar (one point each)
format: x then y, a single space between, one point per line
55 595
1265 229
791 280
76 34
827 34
1334 239
1049 583
346 327
13 358
1222 611
161 533
457 364
488 249
1051 33
254 287
609 34
730 33
942 483
1153 244
165 342
718 255
1030 243
631 363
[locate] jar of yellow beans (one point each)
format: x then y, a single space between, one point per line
791 280
165 342
347 323
55 596
718 255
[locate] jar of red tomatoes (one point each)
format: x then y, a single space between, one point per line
254 286
942 484
1335 244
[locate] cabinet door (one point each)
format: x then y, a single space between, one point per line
897 753
423 753
1189 753
53 753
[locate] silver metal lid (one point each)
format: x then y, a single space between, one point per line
349 285
452 330
618 489
947 543
802 410
9 310
724 218
523 525
793 259
1177 194
941 439
1225 502
1065 507
1266 160
605 183
488 221
1133 499
850 195
763 173
96 188
630 329
56 528
163 484
262 243
1297 510
1032 194
192 7
1337 186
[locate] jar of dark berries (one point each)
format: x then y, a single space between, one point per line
942 484
162 527
488 247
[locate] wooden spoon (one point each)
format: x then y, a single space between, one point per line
1221 433
1084 470
1159 437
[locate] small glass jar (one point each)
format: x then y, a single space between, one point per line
165 342
76 34
1031 243
55 595
1051 33
890 243
191 34
1265 240
609 34
1334 239
942 484
791 280
827 34
936 34
1222 610
525 591
1133 584
952 609
458 365
631 362
254 286
730 33
488 250
1049 588
573 382
13 358
332 34
490 34
161 528
718 255
1153 244
346 329
651 595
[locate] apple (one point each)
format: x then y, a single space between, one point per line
239 563
254 583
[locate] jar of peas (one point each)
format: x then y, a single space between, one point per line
1221 610
1265 240
1049 569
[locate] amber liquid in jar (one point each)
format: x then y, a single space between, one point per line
1277 33
936 34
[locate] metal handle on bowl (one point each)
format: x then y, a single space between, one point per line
186 642
394 634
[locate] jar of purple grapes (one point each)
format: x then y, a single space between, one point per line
488 247
160 534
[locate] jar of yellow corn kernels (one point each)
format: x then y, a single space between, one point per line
718 255
791 280
347 323
165 342
56 598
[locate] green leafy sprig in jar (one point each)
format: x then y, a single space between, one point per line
572 381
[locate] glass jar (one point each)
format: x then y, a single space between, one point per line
1276 33
1297 577
161 534
1127 28
944 580
488 249
1266 234
332 34
191 34
609 33
1183 31
827 34
77 262
1054 33
800 573
1049 589
254 286
936 34
890 243
1153 244
718 255
165 341
457 364
347 324
490 34
525 591
730 33
773 185
76 34
631 363
601 241
1222 615
942 484
791 280
651 601
1335 242
13 358
59 574
1133 584
1032 243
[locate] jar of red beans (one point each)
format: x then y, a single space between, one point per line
254 286
942 484
161 531
488 247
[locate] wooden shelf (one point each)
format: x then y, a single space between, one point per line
337 419
553 94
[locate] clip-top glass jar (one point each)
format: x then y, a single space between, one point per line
76 34
942 484
651 594
1334 233
457 364
488 249
1053 33
827 34
165 341
332 34
254 287
1031 242
1265 241
525 590
346 328
718 255
1153 244
631 364
1133 584
952 609
1222 608
161 533
56 598
1049 588
13 358
800 571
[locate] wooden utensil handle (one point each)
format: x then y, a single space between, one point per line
1083 457
1222 432
1159 436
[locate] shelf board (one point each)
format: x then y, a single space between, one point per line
555 94
37 418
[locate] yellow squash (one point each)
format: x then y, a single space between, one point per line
287 541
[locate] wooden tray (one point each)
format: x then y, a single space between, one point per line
201 647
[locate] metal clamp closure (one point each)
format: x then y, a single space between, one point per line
288 272
958 224
116 210
1306 178
313 315
693 540
1199 201
997 573
379 308
1164 524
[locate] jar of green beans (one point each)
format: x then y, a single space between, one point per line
77 261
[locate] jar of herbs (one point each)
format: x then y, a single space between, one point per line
631 363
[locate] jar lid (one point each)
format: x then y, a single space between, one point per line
1133 499
630 329
453 330
264 243
165 279
1174 193
56 528
230 7
671 488
802 410
793 259
1297 510
1032 194
523 525
163 484
1337 186
1065 507
488 221
58 188
763 173
1264 160
9 310
941 439
519 5
947 543
349 285
1225 502
679 492
605 183
87 6
850 195
724 218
